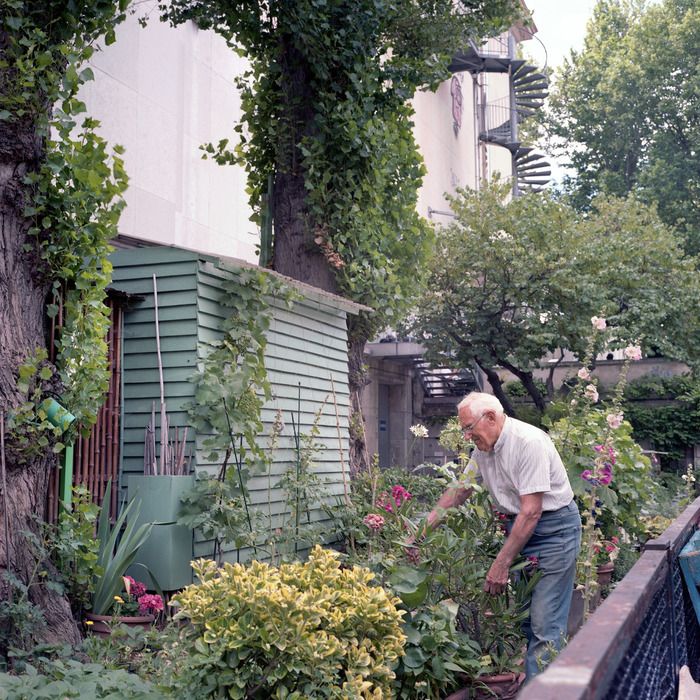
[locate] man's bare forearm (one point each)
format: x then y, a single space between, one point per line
451 498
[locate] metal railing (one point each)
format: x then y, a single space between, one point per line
636 641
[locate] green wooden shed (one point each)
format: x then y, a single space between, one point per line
306 359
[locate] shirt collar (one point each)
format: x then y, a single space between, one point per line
498 446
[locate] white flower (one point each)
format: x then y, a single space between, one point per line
419 431
591 393
614 420
633 352
583 373
544 317
598 323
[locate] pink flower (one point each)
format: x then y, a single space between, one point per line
584 373
598 323
633 352
587 474
413 555
400 495
374 521
132 587
614 420
591 393
150 604
605 478
385 502
614 540
533 562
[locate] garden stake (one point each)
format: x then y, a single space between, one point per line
163 417
340 443
238 468
4 500
298 451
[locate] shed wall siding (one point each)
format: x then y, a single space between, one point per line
307 345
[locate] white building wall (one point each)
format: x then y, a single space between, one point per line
162 92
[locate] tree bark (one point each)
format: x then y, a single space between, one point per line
23 289
295 252
529 383
497 386
357 381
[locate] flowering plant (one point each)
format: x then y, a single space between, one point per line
610 475
134 600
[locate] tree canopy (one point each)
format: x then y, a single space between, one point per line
511 281
625 109
326 116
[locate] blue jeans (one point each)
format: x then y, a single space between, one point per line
555 542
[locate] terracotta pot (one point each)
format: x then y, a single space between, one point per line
604 573
102 624
503 686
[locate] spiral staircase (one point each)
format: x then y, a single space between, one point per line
499 120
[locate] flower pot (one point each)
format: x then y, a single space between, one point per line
604 573
168 550
102 625
504 686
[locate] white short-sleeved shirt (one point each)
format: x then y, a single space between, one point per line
523 460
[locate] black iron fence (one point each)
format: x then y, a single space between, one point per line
635 643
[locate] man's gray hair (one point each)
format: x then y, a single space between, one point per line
478 402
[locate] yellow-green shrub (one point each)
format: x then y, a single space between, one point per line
310 630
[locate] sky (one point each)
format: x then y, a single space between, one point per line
561 26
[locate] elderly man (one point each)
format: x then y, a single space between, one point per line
524 474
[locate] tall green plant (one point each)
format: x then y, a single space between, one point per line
117 551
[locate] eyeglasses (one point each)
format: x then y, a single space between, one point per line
468 429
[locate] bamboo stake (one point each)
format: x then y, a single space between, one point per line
6 518
346 491
163 416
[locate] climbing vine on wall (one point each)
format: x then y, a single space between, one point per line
232 383
76 189
326 101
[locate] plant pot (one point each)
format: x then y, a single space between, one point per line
168 550
575 620
503 686
102 625
604 573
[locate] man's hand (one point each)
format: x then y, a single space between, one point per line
496 578
523 527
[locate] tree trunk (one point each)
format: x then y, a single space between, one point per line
357 381
529 383
23 288
497 386
296 253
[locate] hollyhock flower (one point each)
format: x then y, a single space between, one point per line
419 431
614 420
584 373
633 352
598 323
587 475
591 393
150 604
605 478
598 448
374 521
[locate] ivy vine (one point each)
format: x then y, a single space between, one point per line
231 385
327 96
76 190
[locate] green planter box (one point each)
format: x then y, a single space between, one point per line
168 550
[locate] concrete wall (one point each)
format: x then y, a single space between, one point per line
162 92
